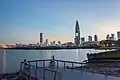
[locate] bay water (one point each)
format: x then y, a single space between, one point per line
10 59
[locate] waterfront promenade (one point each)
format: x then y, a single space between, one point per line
68 70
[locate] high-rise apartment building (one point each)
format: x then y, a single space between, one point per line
82 40
95 38
118 35
46 41
108 37
89 38
112 36
59 43
53 42
41 38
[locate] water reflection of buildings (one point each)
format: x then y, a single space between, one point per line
77 55
4 61
48 54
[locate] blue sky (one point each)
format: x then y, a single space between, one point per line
21 21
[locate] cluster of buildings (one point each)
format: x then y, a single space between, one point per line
47 43
112 37
110 40
90 39
78 41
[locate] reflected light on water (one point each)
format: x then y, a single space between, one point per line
48 54
77 56
4 61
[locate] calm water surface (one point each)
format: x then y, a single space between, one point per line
10 59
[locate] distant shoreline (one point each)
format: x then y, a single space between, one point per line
59 48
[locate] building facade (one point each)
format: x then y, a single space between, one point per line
41 38
77 34
95 38
46 42
53 42
118 35
59 42
90 44
89 38
82 39
108 37
112 36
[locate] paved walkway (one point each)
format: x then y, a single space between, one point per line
67 74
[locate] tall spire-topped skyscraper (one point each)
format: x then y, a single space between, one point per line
77 34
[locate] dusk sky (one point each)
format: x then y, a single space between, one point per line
21 21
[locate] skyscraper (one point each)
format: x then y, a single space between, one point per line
82 40
108 37
41 38
95 38
59 43
118 35
46 41
89 38
54 42
112 36
77 34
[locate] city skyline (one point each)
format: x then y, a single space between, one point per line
22 21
